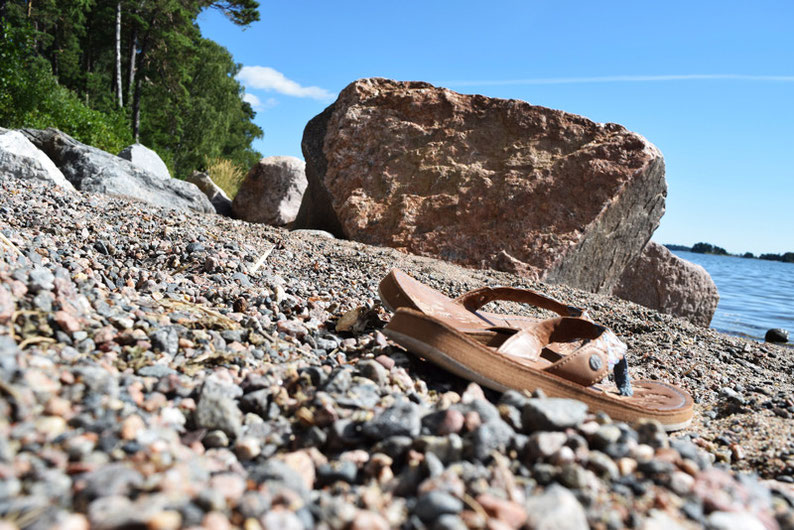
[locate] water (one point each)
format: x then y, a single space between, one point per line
755 295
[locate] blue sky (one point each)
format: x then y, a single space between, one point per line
709 83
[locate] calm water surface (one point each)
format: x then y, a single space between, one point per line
755 295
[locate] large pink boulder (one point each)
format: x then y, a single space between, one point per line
482 182
661 280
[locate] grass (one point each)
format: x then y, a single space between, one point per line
226 175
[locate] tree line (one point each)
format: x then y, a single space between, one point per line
110 72
708 248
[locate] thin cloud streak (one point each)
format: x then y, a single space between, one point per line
623 79
266 78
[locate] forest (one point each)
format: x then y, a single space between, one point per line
113 72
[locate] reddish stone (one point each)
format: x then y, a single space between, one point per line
511 513
659 279
466 178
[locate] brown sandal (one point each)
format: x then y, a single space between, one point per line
399 290
529 358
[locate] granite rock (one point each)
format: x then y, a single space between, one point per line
482 182
146 159
660 280
272 191
93 170
20 158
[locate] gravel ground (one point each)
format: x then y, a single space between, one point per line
162 369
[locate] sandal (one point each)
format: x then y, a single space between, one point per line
565 357
398 290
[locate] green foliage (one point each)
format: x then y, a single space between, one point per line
202 106
57 65
788 257
30 96
708 248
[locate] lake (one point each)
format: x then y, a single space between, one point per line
755 295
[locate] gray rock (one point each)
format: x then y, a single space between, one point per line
492 436
402 419
659 279
146 159
8 351
272 191
93 170
156 370
553 414
41 279
555 509
110 480
375 371
20 158
434 504
331 472
216 411
277 471
220 201
166 340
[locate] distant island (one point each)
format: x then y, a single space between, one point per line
708 248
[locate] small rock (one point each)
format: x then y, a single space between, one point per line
556 508
247 448
402 419
509 512
215 411
553 414
433 504
776 335
368 520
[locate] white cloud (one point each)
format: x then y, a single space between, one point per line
266 78
252 100
257 104
621 78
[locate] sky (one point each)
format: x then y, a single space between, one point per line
710 83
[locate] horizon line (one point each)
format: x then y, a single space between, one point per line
622 79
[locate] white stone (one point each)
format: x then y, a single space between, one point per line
147 159
20 158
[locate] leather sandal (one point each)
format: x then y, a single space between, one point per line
398 290
565 357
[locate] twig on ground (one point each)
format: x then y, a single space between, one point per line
7 242
261 260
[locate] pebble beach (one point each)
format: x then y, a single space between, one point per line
166 369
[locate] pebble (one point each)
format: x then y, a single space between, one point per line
173 390
553 414
433 504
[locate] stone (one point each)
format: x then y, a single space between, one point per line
465 178
146 159
20 158
556 508
402 419
435 503
553 414
776 335
660 280
220 201
217 411
272 191
93 170
509 512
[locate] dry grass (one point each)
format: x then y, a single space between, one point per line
226 175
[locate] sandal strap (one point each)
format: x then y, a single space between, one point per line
474 300
587 365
